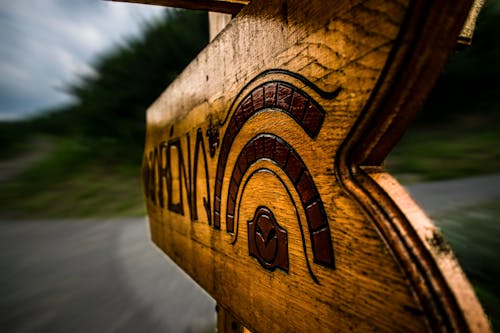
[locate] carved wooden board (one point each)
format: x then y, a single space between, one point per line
263 169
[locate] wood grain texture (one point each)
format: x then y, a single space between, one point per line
221 6
216 23
226 323
465 37
263 169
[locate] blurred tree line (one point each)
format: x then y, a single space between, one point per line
108 117
470 82
112 105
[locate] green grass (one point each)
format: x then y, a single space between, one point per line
70 182
84 178
462 147
473 233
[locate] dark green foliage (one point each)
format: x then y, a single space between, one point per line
9 131
457 132
111 106
93 148
109 114
16 135
471 80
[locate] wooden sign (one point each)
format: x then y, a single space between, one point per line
263 169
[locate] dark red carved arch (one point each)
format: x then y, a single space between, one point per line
277 95
273 148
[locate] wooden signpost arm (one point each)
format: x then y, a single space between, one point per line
227 323
263 169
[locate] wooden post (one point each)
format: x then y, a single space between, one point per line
226 323
217 22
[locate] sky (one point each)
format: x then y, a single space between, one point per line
44 44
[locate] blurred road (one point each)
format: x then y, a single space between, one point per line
106 276
437 198
94 276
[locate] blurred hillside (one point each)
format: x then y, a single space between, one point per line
457 132
93 148
96 144
471 81
109 114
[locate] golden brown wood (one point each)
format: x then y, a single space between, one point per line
465 37
226 323
263 169
222 6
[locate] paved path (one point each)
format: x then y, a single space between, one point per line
106 276
444 196
12 167
93 276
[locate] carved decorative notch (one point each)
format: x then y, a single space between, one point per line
267 240
286 98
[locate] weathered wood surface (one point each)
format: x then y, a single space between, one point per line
226 323
216 23
465 37
263 169
222 6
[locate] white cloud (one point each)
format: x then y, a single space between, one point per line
46 43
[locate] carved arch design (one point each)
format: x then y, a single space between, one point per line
280 96
283 97
273 148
